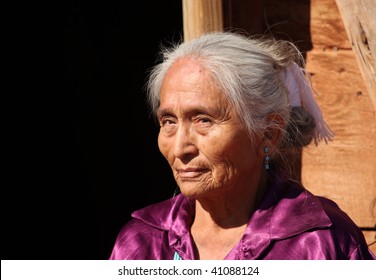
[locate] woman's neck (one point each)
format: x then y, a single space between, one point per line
221 219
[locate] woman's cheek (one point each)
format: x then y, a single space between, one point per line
163 145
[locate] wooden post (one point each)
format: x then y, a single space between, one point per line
201 16
360 23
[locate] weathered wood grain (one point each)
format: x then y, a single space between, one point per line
201 16
360 23
326 26
345 169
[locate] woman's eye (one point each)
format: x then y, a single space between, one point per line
204 120
166 122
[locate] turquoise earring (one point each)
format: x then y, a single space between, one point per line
267 159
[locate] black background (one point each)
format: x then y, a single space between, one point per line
81 148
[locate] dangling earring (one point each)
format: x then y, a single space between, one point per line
266 162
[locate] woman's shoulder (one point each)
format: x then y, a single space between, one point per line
149 228
313 216
135 240
340 219
163 214
345 232
154 217
311 203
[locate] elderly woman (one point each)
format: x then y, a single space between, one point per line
230 108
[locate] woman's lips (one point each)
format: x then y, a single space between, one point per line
189 173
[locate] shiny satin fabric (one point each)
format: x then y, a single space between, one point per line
290 223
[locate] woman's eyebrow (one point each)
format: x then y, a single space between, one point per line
194 111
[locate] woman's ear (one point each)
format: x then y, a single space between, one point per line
273 132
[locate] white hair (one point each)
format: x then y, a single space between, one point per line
248 70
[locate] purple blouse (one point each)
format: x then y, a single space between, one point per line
290 223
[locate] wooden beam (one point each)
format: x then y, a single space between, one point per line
201 16
360 24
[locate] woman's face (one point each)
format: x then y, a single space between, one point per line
201 136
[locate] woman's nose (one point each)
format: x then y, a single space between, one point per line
184 145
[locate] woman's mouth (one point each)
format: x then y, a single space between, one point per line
190 173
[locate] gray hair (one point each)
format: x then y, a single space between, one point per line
248 72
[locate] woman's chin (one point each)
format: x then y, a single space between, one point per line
192 189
